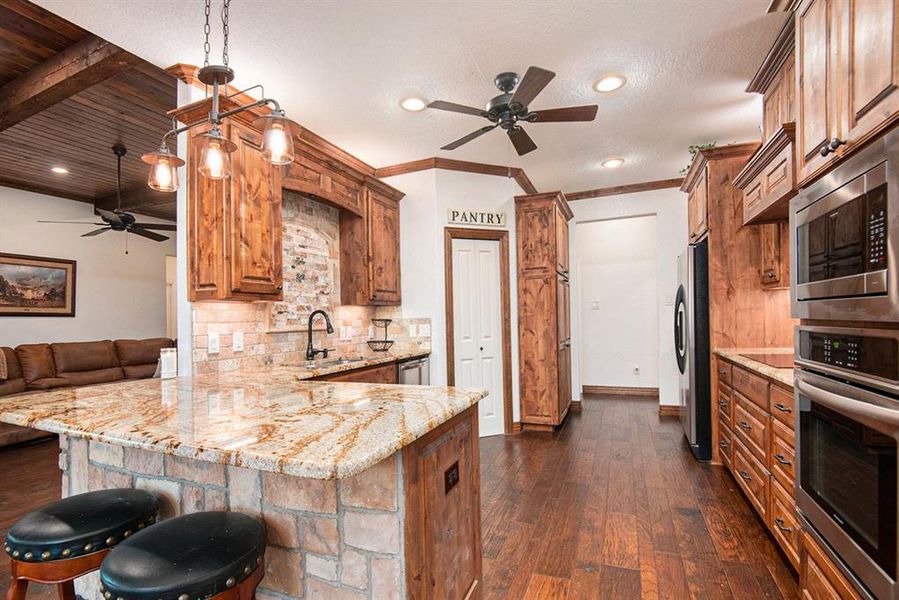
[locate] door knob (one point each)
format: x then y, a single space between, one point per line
482 348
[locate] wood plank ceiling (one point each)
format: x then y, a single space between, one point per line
128 106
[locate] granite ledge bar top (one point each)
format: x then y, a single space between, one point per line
304 371
269 419
784 376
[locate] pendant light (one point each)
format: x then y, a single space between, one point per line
216 149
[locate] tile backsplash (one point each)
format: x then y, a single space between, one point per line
275 332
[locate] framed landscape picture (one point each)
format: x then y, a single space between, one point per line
35 286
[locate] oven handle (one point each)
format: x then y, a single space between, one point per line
856 408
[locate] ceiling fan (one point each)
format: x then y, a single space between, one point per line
509 108
118 220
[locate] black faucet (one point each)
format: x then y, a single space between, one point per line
311 352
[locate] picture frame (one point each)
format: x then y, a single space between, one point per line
36 286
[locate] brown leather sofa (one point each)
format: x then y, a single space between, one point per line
37 367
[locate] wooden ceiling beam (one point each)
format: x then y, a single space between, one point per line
451 164
78 67
630 188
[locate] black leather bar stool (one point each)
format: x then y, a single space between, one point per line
209 555
67 539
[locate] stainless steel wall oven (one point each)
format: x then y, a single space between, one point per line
847 428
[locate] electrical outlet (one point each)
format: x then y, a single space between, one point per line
636 369
413 330
594 305
213 343
371 332
424 330
237 341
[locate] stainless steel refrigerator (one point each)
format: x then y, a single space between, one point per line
691 347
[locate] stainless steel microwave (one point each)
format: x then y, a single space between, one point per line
845 239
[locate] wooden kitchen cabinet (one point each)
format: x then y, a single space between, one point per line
543 309
698 206
820 578
370 249
847 61
234 225
385 373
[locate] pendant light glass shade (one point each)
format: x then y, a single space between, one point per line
163 176
215 157
277 138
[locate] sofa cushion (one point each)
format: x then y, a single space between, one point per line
85 363
38 369
139 357
13 383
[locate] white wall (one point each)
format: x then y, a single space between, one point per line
670 208
619 319
422 220
117 295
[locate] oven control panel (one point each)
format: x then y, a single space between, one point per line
877 356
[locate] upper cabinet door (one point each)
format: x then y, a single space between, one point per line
698 207
562 261
254 219
206 228
816 101
384 249
870 67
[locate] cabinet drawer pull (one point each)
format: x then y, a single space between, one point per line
722 371
782 407
745 425
723 402
745 475
782 459
723 444
780 525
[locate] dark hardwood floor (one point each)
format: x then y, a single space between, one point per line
615 506
612 506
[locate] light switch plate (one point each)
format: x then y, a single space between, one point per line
371 332
413 330
237 341
213 343
424 330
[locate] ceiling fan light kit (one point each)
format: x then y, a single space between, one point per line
511 107
215 159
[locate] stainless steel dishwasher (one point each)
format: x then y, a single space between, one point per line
415 372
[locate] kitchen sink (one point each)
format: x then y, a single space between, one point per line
332 362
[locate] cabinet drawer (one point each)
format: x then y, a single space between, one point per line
777 179
751 426
752 197
752 477
725 406
782 406
821 579
752 387
784 523
725 373
726 446
783 455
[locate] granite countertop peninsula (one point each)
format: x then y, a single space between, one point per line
271 419
737 356
324 367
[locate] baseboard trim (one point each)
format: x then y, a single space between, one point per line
538 427
669 411
576 406
516 427
647 392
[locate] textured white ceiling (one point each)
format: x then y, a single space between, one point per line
340 69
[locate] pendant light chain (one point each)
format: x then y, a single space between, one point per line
206 30
225 31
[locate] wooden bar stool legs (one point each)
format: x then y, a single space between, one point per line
62 573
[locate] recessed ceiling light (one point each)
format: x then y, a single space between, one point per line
413 104
610 83
59 170
612 163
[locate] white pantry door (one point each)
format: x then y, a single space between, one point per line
477 327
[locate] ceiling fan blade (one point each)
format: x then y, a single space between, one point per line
459 108
569 113
532 84
96 232
157 226
469 137
108 215
147 234
73 223
522 141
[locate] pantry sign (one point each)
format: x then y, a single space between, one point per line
475 217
